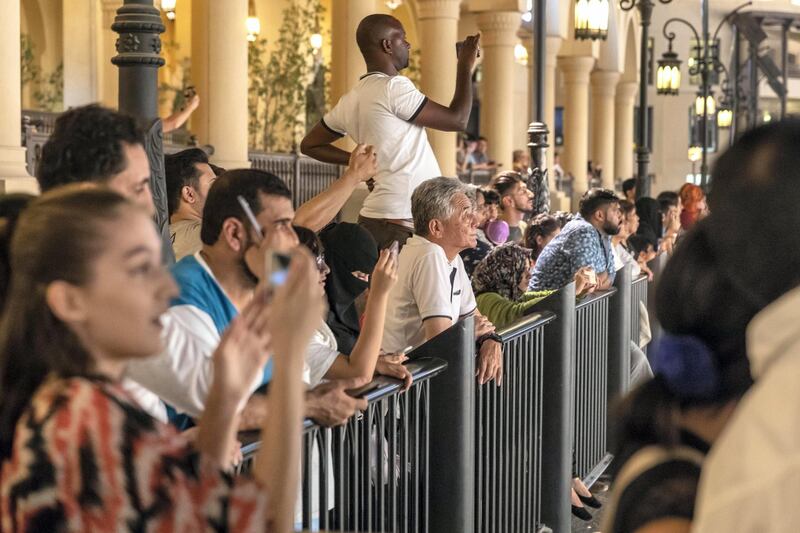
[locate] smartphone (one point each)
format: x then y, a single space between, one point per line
189 92
276 269
394 249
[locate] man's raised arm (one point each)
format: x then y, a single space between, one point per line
455 116
317 144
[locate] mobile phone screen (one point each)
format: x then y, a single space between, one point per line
277 268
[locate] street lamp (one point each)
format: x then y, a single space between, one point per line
253 28
708 108
168 6
668 75
591 19
724 117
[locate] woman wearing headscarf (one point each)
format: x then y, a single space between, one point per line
649 212
351 253
500 282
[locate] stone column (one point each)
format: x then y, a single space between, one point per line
81 52
604 86
623 129
108 74
576 71
438 28
347 64
553 46
498 37
13 175
219 69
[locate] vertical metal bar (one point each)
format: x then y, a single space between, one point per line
623 306
558 415
784 67
308 474
752 98
735 69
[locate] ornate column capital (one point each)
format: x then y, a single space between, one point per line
626 92
139 27
576 69
499 28
604 82
438 9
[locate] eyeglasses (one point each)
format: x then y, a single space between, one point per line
322 266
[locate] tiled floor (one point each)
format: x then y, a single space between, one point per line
600 490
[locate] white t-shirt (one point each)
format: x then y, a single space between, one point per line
379 111
428 286
322 351
622 257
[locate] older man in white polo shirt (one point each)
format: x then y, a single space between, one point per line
387 111
433 290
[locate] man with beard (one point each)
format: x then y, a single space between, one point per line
584 242
516 201
387 111
215 284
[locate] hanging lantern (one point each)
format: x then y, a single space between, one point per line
253 28
168 6
591 19
724 117
520 54
668 75
393 4
695 153
710 108
316 41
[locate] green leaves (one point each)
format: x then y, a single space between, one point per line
280 74
47 87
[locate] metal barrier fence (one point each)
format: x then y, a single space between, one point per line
372 474
304 176
508 434
638 295
591 385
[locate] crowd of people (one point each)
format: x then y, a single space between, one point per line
124 382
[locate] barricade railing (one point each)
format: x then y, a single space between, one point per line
591 384
304 176
509 432
373 473
639 288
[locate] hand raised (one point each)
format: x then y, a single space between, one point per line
384 276
363 162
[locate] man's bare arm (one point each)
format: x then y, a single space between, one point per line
455 116
317 144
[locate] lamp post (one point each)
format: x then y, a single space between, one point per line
706 65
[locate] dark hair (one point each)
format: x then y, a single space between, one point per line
649 212
627 207
542 225
595 199
638 243
505 181
218 171
181 170
710 310
87 144
667 199
310 240
221 203
490 196
563 217
11 207
57 238
482 138
628 185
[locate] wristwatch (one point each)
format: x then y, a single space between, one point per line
488 336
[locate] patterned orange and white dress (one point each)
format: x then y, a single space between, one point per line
87 458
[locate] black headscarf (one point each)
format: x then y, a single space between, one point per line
348 248
649 212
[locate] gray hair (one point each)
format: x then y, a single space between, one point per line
433 199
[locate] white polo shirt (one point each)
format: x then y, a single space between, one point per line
379 111
428 286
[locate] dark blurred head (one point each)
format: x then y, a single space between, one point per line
95 144
629 188
189 177
11 206
541 230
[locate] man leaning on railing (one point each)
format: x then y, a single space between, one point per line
433 290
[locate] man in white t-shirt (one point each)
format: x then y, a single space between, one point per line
387 111
433 290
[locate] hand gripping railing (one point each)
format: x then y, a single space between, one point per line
508 434
372 474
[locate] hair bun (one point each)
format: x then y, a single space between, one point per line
687 366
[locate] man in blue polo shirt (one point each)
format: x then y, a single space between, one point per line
215 284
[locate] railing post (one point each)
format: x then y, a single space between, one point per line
558 418
452 423
657 266
619 344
